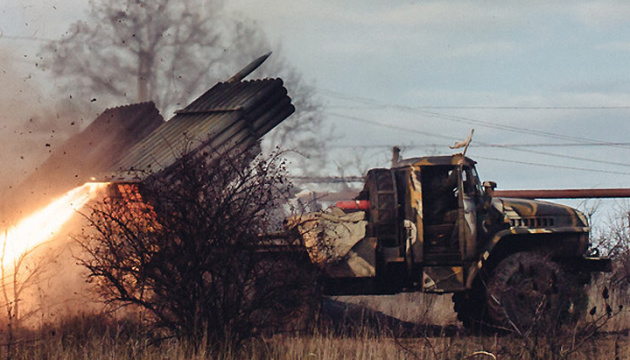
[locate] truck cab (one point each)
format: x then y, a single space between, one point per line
431 231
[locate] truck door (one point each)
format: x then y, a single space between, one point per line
444 212
441 210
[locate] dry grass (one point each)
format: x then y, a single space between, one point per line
328 348
317 346
96 337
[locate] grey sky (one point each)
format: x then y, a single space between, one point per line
386 62
423 73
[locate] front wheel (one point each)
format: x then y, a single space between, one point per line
528 292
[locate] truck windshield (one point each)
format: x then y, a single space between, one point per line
472 185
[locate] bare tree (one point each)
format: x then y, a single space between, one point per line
168 51
190 254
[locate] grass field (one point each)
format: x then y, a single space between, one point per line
101 337
324 346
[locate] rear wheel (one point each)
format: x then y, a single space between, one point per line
529 292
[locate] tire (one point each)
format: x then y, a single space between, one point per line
527 292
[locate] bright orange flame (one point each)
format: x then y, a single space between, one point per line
41 226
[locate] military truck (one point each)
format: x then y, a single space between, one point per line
429 224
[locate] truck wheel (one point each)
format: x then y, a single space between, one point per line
528 292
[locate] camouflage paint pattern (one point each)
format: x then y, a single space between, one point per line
348 244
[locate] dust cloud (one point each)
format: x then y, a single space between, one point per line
33 123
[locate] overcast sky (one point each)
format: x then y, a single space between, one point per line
545 85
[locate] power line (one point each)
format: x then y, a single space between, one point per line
554 166
513 148
461 119
328 179
346 179
572 157
496 126
395 127
384 146
519 129
600 107
479 145
368 101
555 145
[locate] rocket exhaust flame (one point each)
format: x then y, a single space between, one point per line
42 225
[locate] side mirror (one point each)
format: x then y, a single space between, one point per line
488 191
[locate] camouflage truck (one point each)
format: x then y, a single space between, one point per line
428 224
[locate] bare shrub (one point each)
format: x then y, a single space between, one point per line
186 250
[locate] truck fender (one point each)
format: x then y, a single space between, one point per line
504 235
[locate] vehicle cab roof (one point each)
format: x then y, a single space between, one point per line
455 159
